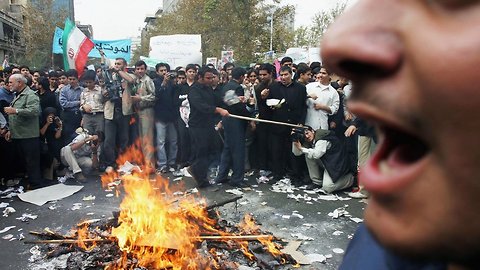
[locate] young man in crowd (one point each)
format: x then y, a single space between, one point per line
204 105
166 115
417 87
70 103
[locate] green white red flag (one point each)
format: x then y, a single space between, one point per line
76 47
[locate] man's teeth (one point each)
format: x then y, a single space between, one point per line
385 168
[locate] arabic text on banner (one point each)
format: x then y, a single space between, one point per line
112 48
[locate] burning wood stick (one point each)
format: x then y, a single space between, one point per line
265 121
233 237
234 199
68 241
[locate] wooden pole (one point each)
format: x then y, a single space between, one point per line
265 121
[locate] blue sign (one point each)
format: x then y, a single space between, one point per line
112 48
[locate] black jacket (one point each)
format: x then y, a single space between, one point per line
203 103
238 108
294 110
167 102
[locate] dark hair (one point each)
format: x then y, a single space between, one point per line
181 73
227 65
159 65
121 59
44 82
191 66
89 75
314 65
41 72
140 63
24 66
286 68
238 72
302 69
251 70
61 73
269 68
49 110
285 60
53 74
326 69
71 73
204 70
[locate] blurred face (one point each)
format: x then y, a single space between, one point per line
162 71
73 81
90 84
424 178
53 81
181 79
252 77
15 86
191 73
140 71
63 79
289 64
309 135
306 76
25 72
285 77
264 76
119 65
208 79
216 80
2 84
36 75
323 77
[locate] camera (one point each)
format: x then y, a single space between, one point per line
298 135
113 87
57 120
172 74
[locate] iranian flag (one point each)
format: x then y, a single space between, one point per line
76 47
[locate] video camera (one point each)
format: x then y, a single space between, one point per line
114 87
298 135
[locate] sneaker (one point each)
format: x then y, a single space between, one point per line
188 172
171 168
80 177
359 194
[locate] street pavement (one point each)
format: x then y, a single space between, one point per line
325 223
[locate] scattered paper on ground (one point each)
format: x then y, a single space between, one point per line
291 249
43 195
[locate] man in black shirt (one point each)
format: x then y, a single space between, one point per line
233 154
291 109
203 107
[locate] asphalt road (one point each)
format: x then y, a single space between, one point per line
286 215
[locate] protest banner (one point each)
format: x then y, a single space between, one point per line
177 50
112 48
227 56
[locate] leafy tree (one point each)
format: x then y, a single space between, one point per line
310 36
40 21
239 25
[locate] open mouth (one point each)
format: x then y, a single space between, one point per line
399 159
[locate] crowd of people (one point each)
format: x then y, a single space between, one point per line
216 125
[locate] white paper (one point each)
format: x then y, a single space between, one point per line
43 195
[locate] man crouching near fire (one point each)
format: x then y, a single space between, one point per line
327 162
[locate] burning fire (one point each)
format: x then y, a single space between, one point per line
162 231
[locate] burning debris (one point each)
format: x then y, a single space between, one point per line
157 228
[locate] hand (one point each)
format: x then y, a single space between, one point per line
8 136
87 108
318 106
222 112
49 120
350 131
219 126
298 145
333 125
313 96
10 110
348 116
242 99
136 99
264 93
253 125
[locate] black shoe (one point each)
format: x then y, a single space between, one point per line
241 184
222 181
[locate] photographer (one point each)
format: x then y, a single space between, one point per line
323 152
81 154
117 112
51 140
